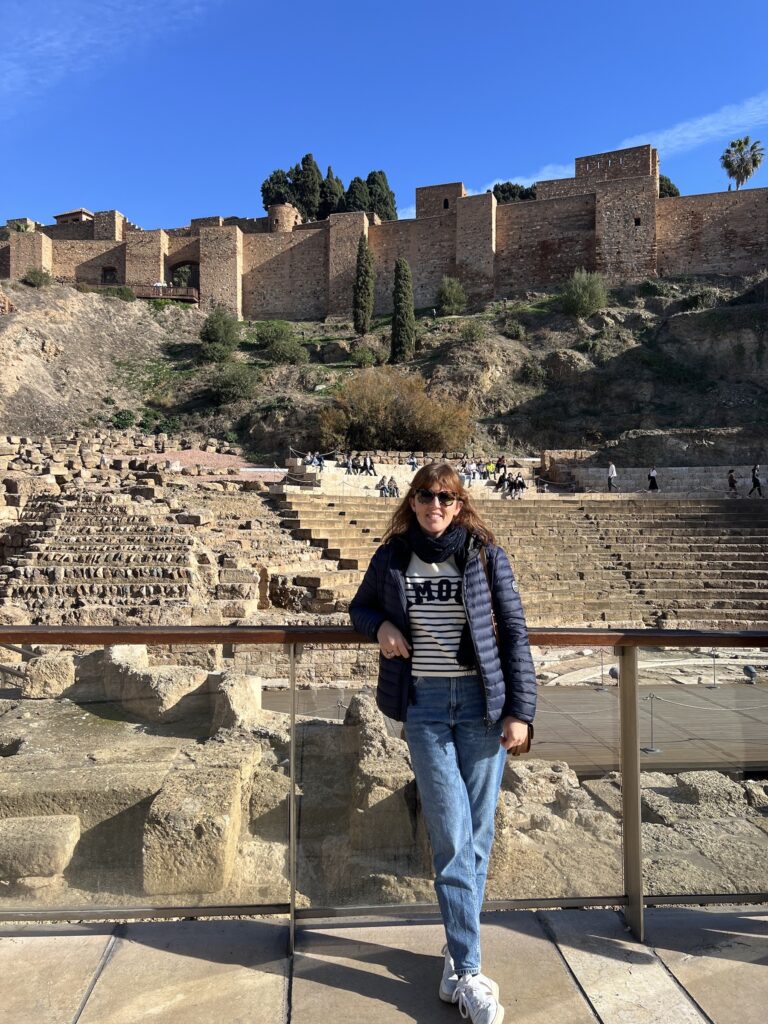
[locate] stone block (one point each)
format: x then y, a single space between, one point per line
194 518
237 702
37 846
165 693
50 675
111 801
191 833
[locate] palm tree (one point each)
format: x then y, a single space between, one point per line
741 159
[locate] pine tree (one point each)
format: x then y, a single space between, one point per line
331 195
511 192
357 196
403 319
667 188
276 189
382 198
362 295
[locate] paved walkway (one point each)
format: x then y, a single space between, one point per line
700 966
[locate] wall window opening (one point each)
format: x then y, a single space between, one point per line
446 204
637 222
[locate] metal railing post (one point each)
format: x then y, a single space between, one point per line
630 789
292 820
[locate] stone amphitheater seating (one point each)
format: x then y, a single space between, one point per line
100 550
335 480
629 562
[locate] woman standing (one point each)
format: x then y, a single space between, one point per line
653 483
455 665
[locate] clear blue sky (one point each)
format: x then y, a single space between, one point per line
177 109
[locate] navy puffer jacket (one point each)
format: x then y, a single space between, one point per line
506 668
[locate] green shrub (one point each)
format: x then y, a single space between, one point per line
119 291
122 419
219 336
234 382
512 328
364 356
706 298
36 278
287 350
584 294
274 330
451 297
472 331
533 373
652 287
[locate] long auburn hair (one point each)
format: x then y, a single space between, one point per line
443 474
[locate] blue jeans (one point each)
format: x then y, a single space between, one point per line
458 763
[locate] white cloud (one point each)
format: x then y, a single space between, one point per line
406 212
546 173
45 42
723 124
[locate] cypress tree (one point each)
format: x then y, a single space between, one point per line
403 318
331 195
357 196
362 295
382 198
305 181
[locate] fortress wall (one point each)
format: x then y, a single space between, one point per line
182 249
635 162
145 256
344 233
79 229
248 225
625 228
30 250
428 245
285 275
5 260
108 224
719 233
221 268
476 244
83 261
542 242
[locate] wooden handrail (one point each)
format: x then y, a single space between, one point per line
562 637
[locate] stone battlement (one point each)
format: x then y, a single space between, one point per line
607 218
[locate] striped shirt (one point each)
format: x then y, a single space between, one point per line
436 615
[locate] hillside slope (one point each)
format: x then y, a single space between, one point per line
660 358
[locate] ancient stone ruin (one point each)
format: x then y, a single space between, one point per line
132 775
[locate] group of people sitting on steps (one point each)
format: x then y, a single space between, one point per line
388 488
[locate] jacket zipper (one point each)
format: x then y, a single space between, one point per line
472 557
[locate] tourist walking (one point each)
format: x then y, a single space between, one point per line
732 484
653 484
611 477
368 466
455 666
756 485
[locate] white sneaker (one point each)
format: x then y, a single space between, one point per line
477 1001
450 979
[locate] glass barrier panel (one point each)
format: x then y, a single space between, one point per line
362 839
135 776
704 760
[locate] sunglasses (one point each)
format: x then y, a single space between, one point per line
426 497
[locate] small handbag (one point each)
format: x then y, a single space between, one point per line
484 559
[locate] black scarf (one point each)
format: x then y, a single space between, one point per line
455 541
